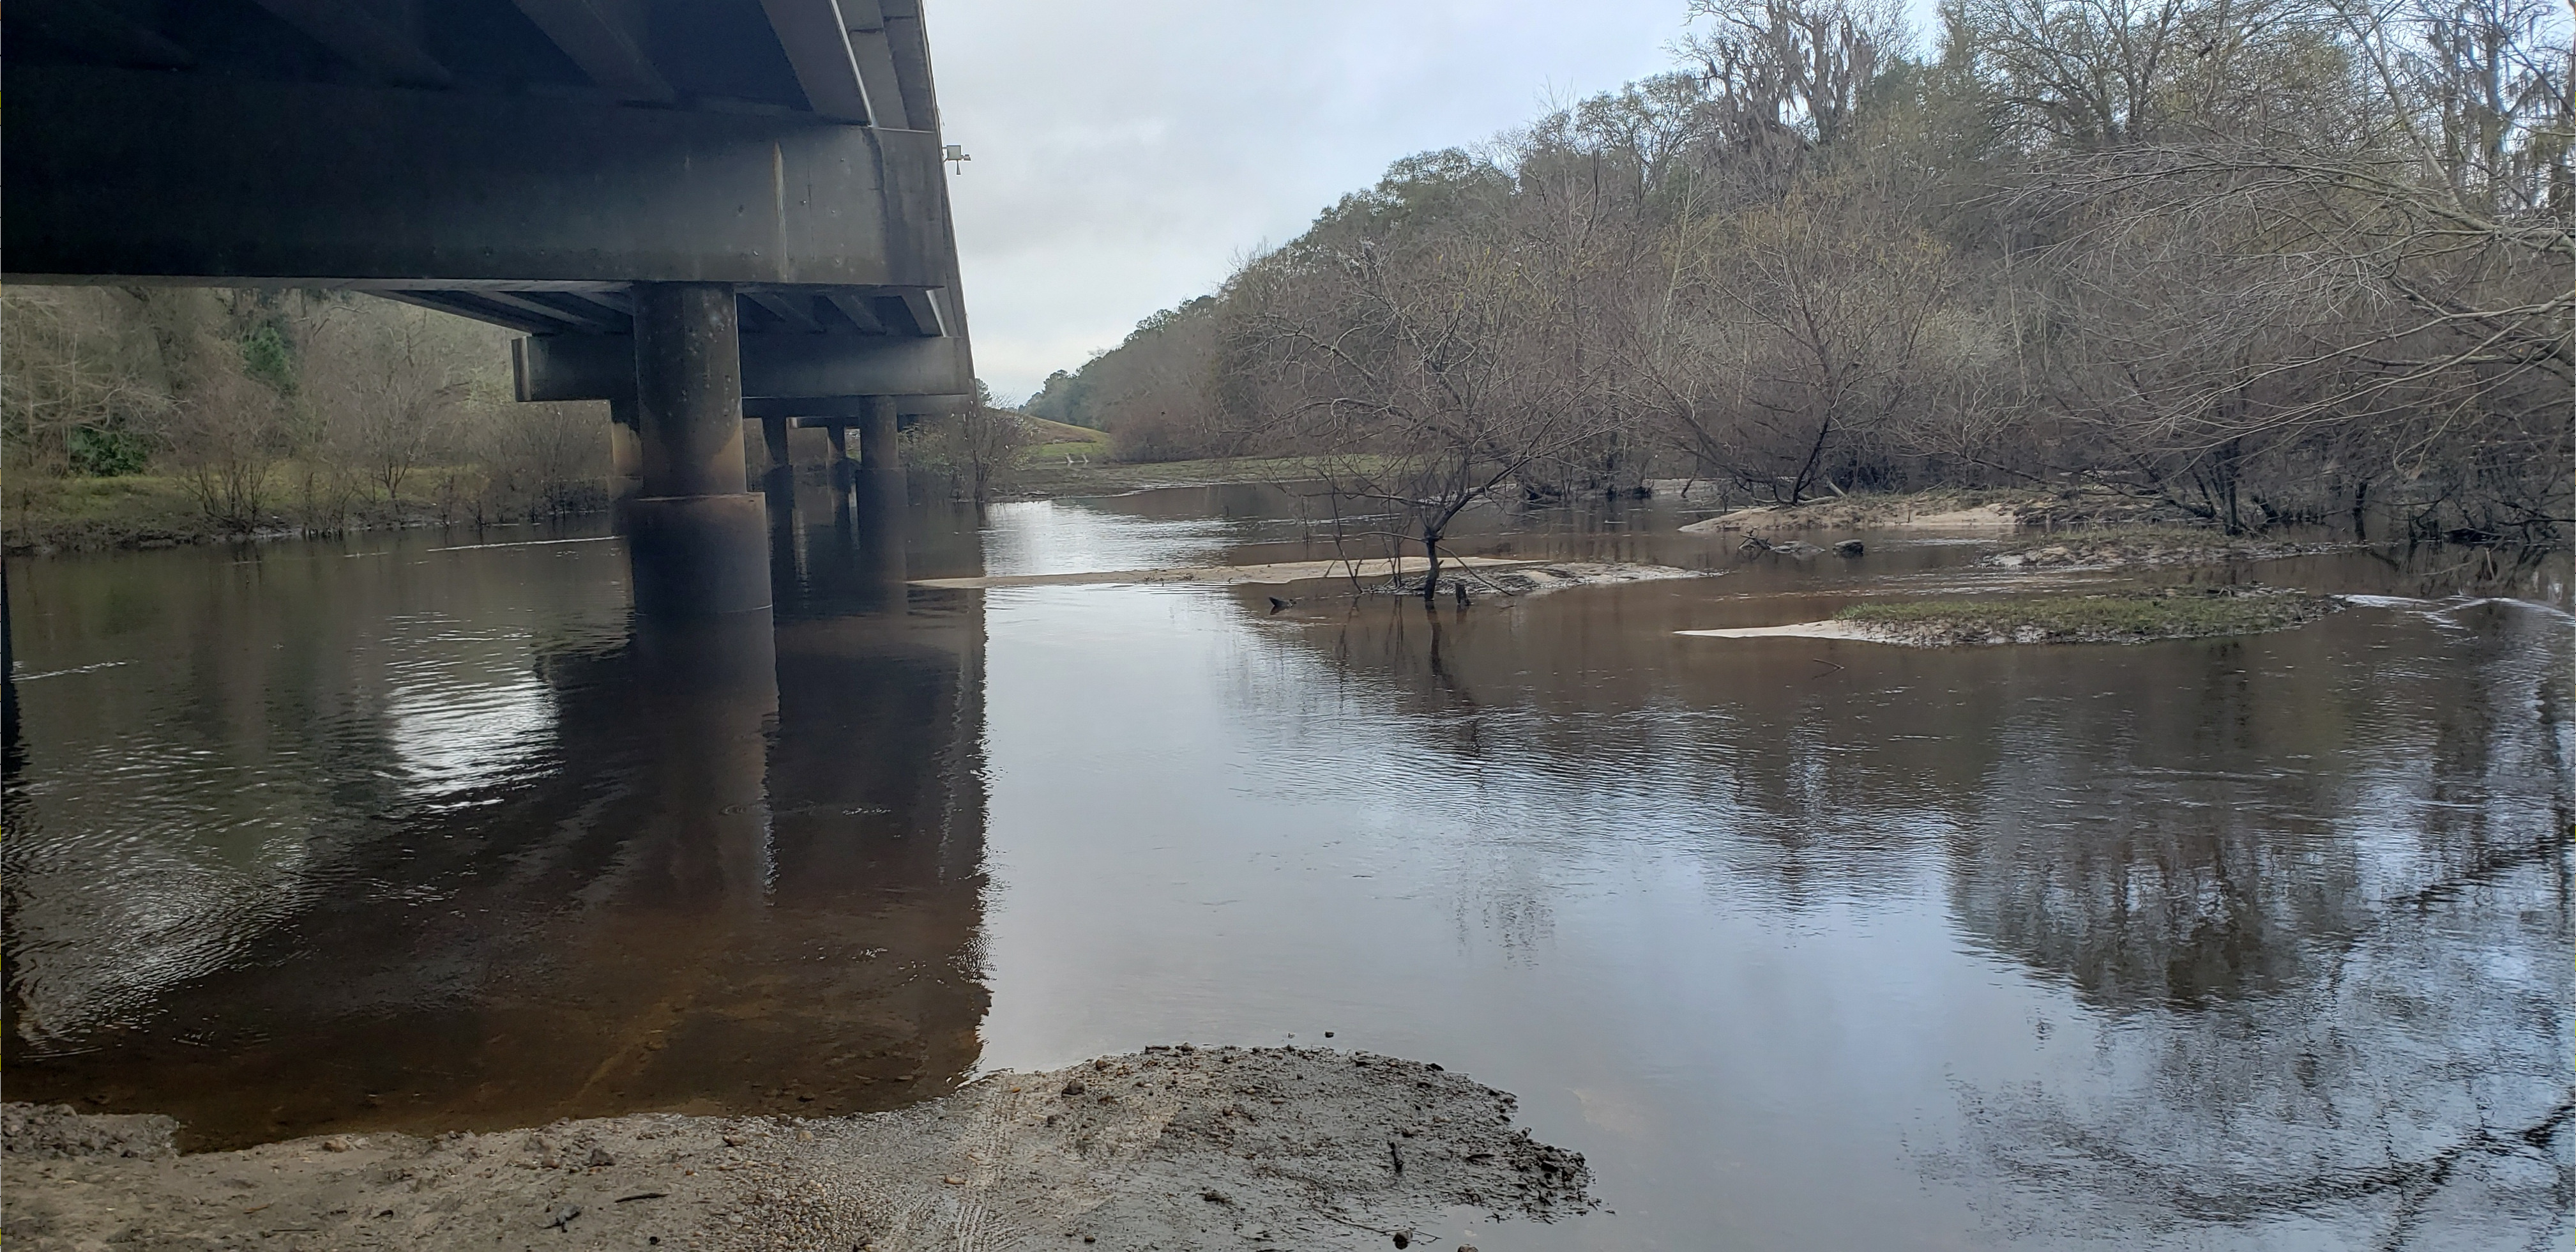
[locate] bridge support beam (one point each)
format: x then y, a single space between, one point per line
697 538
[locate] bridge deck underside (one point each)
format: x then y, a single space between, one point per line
521 162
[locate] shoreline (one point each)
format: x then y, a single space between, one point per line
1171 1146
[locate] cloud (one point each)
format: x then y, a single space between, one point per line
1128 155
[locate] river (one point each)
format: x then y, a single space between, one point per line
2251 943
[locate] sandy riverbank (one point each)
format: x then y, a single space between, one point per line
1168 1148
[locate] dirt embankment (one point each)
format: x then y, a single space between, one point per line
1168 1148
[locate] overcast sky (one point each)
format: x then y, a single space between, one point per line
1128 154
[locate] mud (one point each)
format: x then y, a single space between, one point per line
1174 1147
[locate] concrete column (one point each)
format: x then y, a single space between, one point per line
625 452
843 471
881 511
688 389
878 449
697 537
840 437
773 434
779 484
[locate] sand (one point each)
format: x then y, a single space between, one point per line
1871 513
1802 630
1167 1148
1225 575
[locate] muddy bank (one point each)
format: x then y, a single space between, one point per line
2127 618
1168 1148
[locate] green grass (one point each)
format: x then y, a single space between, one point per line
1054 443
2123 618
1055 453
100 512
1052 432
72 514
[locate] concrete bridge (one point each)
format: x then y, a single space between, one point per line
696 210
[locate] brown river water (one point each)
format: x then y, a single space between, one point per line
2250 943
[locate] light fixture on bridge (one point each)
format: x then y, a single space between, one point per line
955 155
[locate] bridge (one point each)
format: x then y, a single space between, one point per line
699 211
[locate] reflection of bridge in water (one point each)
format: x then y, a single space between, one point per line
695 210
730 865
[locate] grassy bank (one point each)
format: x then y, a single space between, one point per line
1051 442
2123 618
48 515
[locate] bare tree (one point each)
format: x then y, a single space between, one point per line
1408 358
389 380
79 393
228 432
978 449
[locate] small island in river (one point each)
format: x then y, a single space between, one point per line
2124 617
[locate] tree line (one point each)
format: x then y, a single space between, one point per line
2266 261
276 410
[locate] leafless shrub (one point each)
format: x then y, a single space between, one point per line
978 450
228 432
389 381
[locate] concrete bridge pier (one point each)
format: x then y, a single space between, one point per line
625 459
880 446
697 537
780 481
841 467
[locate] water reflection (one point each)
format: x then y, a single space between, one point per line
460 844
1778 880
2255 943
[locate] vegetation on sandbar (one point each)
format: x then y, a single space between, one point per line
2129 617
2146 545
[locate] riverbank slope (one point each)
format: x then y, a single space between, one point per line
1175 1147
